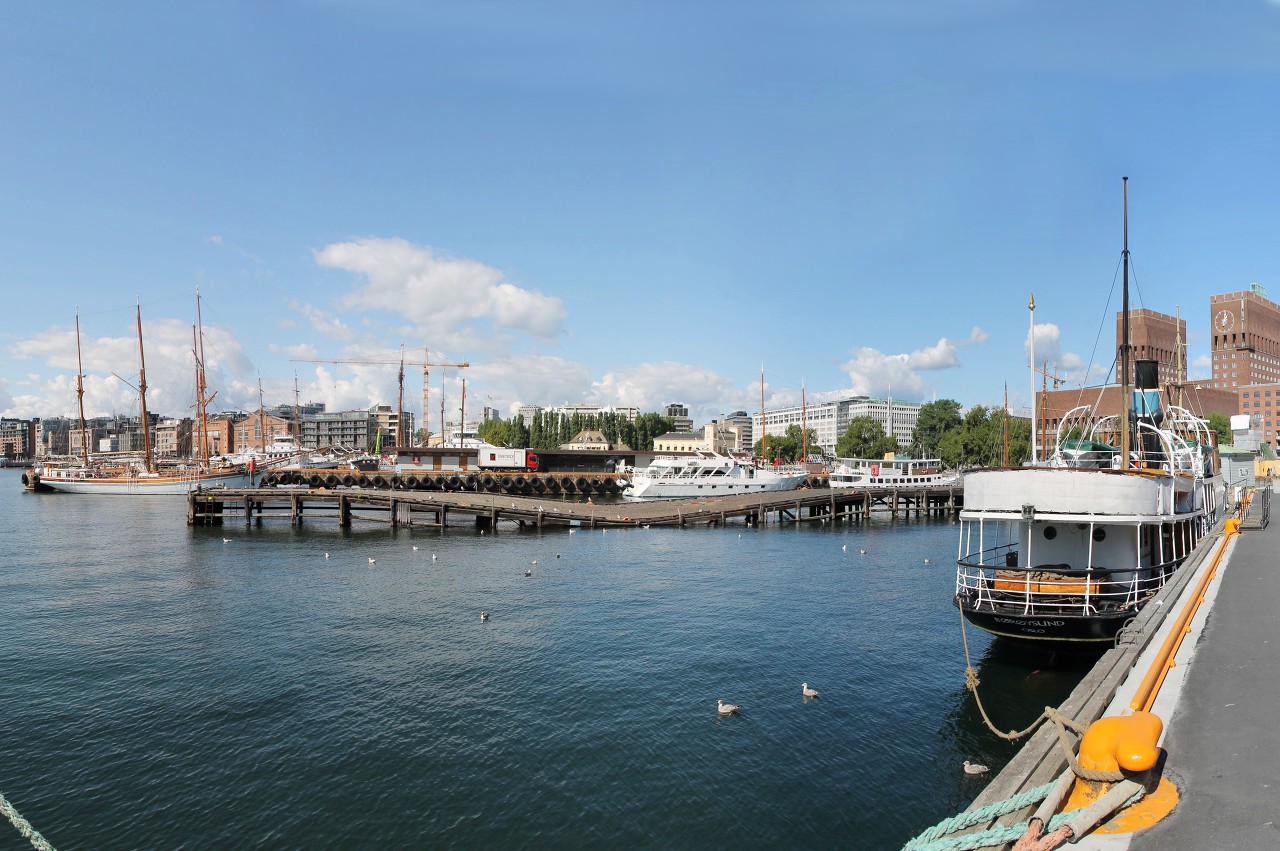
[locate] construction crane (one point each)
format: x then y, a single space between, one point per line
426 363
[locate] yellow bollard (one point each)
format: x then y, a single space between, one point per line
1126 743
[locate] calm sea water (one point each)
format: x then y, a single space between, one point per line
162 687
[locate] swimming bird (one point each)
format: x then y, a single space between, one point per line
433 556
415 548
974 768
570 531
844 548
226 540
926 561
528 573
534 562
863 552
326 555
370 559
557 555
808 692
484 616
726 708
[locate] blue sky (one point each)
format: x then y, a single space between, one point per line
622 203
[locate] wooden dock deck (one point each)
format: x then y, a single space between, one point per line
417 508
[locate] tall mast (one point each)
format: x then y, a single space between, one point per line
400 403
297 409
142 394
1006 424
1125 401
84 437
426 411
1035 451
1180 352
462 425
202 389
262 417
804 429
762 428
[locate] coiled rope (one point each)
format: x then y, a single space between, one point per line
24 827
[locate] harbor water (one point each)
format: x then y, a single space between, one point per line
165 686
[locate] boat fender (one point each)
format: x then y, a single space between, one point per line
379 482
348 480
505 481
331 481
315 481
396 482
487 481
411 481
518 482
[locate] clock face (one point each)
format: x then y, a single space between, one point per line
1225 320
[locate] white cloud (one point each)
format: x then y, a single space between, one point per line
1067 366
1202 367
440 294
875 373
653 386
170 371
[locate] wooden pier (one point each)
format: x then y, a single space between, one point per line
417 508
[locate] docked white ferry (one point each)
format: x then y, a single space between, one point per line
901 473
708 474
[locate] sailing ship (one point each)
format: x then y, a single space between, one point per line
1064 552
138 476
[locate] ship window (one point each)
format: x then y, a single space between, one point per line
1050 533
1099 534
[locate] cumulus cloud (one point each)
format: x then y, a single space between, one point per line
1068 366
876 373
111 371
1202 367
437 292
653 386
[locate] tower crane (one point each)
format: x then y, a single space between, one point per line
426 363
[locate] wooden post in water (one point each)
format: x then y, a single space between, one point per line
344 511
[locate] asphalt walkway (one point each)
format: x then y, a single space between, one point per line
1223 740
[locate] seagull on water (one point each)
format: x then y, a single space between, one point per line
726 708
528 573
808 692
433 556
226 540
926 561
415 548
974 768
534 562
370 559
484 616
570 531
557 555
844 548
862 552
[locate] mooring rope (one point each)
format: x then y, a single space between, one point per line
1060 722
24 827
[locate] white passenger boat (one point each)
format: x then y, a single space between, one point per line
708 474
1066 551
899 473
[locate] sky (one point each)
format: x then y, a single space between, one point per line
619 203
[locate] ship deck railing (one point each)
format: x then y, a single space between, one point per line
1057 589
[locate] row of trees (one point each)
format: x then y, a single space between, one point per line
550 429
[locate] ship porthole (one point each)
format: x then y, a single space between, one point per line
1050 532
1099 534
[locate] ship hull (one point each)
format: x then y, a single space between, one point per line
142 486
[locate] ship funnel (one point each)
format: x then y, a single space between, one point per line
1146 375
1146 393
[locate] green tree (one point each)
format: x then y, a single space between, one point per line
935 419
1221 426
788 448
864 438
